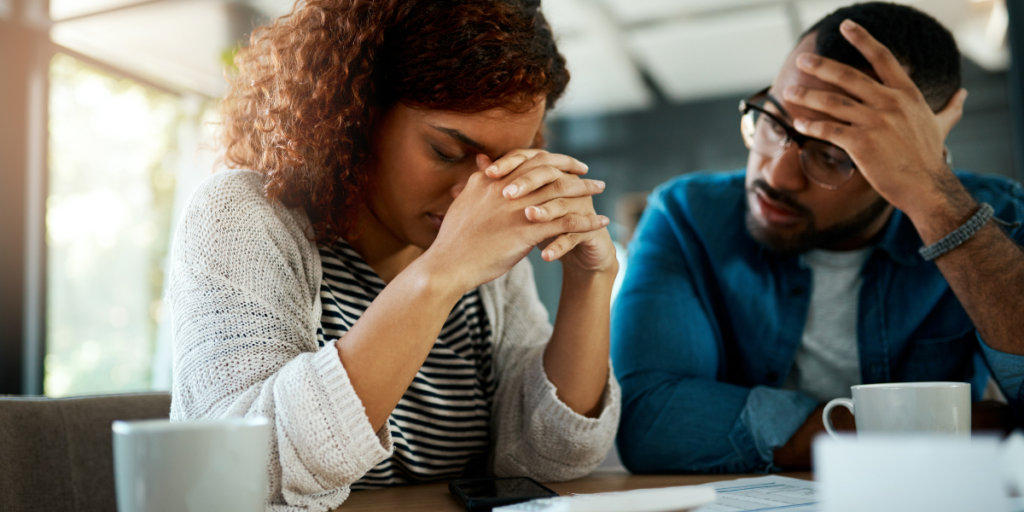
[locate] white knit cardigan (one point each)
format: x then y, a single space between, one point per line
245 301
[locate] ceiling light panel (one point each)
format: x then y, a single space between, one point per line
178 43
574 18
63 9
604 80
715 56
638 11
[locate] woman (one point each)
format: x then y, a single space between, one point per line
360 277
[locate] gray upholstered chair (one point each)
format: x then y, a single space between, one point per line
57 453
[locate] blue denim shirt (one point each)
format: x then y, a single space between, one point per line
707 324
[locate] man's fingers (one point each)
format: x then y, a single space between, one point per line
950 115
882 60
836 133
857 83
839 106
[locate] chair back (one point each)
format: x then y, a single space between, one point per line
57 453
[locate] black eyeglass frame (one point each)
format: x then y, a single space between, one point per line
792 136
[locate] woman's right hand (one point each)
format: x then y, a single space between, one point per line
485 233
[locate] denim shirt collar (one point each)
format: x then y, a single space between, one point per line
900 240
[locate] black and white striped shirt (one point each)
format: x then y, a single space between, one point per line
440 428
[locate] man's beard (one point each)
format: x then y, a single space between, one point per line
812 237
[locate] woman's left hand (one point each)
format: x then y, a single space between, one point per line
557 190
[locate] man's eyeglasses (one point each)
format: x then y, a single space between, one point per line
823 163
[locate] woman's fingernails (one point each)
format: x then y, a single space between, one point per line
849 25
600 184
548 255
492 168
585 166
789 92
510 191
605 220
800 124
806 60
537 211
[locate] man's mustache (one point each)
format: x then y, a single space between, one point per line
780 196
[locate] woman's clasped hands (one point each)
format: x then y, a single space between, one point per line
527 198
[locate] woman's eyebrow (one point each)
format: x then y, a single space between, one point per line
459 136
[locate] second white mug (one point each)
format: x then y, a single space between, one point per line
931 407
191 466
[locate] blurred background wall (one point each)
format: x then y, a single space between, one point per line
109 113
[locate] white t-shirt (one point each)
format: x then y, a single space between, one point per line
827 362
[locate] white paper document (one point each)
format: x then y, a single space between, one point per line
668 499
763 494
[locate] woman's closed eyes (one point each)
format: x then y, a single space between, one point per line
445 157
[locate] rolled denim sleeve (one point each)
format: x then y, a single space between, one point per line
772 416
678 414
1008 370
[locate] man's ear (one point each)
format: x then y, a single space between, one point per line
950 115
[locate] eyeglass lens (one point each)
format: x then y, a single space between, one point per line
823 163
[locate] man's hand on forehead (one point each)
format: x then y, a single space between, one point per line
885 125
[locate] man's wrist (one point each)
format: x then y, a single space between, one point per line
941 209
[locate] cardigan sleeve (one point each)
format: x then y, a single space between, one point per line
244 298
536 434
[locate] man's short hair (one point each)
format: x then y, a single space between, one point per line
920 43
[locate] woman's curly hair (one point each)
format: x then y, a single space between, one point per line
311 87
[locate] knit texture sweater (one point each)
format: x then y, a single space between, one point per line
245 305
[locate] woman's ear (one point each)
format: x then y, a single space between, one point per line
538 138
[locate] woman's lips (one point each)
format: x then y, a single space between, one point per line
436 220
776 213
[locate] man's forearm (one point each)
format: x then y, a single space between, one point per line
796 453
986 272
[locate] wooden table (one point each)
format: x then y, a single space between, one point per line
435 497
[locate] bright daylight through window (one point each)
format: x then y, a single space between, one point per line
111 189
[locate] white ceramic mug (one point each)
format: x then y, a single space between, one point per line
191 466
932 407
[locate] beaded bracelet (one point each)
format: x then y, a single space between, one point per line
960 235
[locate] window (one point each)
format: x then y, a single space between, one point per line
112 152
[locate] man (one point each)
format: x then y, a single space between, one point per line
753 298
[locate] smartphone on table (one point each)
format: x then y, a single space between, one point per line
483 494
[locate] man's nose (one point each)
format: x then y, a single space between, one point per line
783 172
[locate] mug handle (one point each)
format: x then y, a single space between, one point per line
826 416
